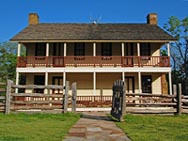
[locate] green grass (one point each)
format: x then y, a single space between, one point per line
155 127
35 127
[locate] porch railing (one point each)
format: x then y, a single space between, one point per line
93 61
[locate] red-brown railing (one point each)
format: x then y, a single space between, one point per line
94 61
94 101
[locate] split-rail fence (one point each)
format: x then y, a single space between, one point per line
11 101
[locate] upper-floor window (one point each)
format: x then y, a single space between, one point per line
40 49
145 49
79 49
106 49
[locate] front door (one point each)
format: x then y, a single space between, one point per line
129 83
57 80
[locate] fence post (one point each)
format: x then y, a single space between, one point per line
179 99
8 96
66 96
74 94
124 101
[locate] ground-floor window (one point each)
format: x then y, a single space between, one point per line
146 84
39 80
22 81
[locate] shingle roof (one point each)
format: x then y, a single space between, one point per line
70 31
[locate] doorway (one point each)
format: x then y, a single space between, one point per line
129 83
57 80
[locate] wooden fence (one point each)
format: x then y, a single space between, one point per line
2 96
135 103
184 101
151 103
36 101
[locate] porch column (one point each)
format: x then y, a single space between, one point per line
94 83
47 49
122 49
168 49
138 49
17 81
46 82
64 78
123 76
170 83
65 49
139 82
19 48
94 49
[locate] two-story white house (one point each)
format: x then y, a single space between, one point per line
95 55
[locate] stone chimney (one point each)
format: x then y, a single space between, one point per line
33 18
152 19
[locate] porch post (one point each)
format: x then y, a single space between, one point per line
122 49
168 49
170 83
138 49
94 49
17 81
65 49
139 82
19 48
47 49
46 82
123 76
64 78
94 83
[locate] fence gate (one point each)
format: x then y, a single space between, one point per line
118 100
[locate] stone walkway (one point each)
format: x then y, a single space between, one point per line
95 126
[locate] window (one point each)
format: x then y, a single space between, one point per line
39 80
106 49
79 49
146 84
129 49
40 49
57 49
145 49
22 81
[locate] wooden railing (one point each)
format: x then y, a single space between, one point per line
184 101
135 103
93 61
2 96
93 101
151 103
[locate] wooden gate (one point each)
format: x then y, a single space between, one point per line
118 100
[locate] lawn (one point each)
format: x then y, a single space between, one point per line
36 127
155 127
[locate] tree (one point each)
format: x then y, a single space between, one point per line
7 61
179 50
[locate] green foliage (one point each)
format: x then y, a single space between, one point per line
36 127
7 61
179 50
155 127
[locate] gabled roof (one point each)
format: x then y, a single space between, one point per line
73 31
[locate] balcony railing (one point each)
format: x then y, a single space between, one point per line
93 61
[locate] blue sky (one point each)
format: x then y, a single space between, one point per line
14 13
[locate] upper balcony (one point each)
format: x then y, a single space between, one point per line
93 61
100 54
